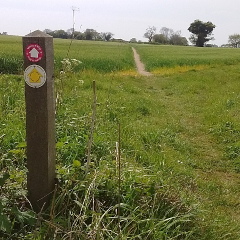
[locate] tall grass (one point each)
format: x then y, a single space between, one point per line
85 207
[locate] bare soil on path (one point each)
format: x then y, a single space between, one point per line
140 66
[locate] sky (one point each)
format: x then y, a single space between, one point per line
126 19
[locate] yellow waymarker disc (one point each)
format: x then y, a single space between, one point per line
35 76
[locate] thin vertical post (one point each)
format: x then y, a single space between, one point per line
40 117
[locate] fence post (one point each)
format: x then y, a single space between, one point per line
40 117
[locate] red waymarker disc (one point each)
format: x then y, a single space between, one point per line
34 52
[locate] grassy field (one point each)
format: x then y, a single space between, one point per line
180 153
98 56
166 59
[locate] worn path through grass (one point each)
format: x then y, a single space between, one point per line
197 105
197 109
179 127
139 65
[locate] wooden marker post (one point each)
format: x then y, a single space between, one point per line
40 117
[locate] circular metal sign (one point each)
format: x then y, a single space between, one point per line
35 76
34 52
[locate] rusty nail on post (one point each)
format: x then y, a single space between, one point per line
40 117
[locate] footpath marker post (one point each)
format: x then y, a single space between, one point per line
40 117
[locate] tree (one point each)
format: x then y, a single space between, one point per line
79 35
201 32
177 39
91 34
168 36
59 34
150 32
88 34
160 38
166 32
234 40
106 36
133 40
48 31
70 32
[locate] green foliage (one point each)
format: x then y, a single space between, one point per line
168 36
11 60
95 204
88 34
15 218
10 64
3 179
201 32
179 142
234 40
229 134
150 32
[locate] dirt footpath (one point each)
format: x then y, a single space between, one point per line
140 66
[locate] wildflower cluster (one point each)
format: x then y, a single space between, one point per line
68 65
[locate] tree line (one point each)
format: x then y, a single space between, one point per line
201 33
88 34
165 36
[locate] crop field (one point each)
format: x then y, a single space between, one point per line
178 132
99 56
165 59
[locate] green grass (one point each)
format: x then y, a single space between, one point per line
179 155
156 57
98 56
83 205
10 55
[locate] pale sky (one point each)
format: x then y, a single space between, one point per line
126 19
